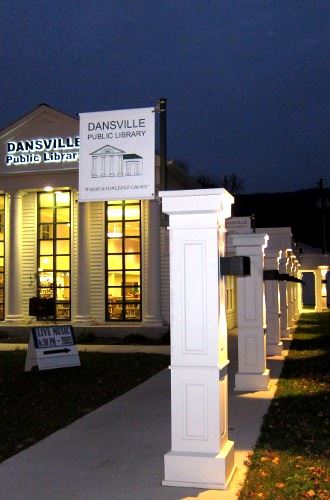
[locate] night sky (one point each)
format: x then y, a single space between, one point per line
247 81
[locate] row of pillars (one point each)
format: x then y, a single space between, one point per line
201 453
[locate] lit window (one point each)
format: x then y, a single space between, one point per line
123 262
54 251
2 257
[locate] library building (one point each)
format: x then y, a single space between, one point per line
96 265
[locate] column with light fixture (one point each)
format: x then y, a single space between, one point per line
296 289
152 290
300 300
290 284
283 284
274 345
201 455
253 375
83 313
14 310
320 288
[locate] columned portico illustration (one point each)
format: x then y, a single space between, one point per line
253 375
201 454
15 256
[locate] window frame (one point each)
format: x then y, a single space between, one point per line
3 272
54 239
124 302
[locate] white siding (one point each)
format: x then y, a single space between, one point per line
165 275
74 251
97 264
7 239
145 252
29 249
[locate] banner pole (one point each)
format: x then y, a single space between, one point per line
162 143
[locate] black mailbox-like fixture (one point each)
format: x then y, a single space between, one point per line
235 266
283 277
271 275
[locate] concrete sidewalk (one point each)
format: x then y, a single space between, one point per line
116 452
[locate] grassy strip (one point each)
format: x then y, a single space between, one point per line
35 404
291 458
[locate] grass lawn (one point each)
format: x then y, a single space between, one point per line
292 456
35 404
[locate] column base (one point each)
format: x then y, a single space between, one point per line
285 333
152 321
200 470
15 318
274 349
252 381
84 319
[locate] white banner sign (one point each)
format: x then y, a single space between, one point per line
237 225
117 155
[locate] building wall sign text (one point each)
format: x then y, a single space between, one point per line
54 150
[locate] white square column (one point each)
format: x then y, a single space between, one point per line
251 316
274 345
201 455
283 268
291 285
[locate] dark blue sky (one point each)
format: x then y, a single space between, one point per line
247 81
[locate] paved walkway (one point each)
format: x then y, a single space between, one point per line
116 452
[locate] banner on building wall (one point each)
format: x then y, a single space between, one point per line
117 155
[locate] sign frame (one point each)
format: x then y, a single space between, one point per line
51 346
117 155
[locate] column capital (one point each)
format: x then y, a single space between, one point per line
198 202
272 259
253 243
16 194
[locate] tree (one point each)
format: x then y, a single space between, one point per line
233 184
206 181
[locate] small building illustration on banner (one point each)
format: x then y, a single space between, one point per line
109 161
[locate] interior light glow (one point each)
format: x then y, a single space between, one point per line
48 189
115 234
61 196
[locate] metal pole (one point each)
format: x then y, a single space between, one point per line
162 142
323 216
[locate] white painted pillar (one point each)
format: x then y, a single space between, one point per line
295 290
274 345
285 330
321 289
14 310
152 287
201 455
290 285
83 313
251 316
300 301
318 287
